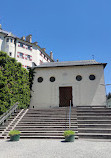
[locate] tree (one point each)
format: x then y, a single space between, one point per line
108 96
14 83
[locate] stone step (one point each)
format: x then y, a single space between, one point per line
92 110
51 112
94 125
93 114
94 130
39 137
95 135
45 129
45 132
94 117
18 126
47 125
44 137
94 121
48 122
49 116
40 134
91 106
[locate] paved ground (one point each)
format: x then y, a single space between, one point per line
46 148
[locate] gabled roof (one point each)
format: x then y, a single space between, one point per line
70 63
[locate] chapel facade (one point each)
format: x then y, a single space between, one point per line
56 84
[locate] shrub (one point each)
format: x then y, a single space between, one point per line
14 132
69 132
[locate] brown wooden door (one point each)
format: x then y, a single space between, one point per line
65 95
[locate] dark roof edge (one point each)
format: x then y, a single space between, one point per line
104 64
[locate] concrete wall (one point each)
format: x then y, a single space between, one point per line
85 92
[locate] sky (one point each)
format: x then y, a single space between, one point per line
71 29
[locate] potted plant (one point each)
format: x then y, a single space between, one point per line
69 136
14 135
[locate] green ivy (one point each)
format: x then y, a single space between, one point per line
14 83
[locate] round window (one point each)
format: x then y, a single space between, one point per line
52 79
78 78
92 77
40 79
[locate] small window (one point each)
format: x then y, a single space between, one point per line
21 55
7 40
52 79
92 77
78 78
28 47
10 53
11 40
21 44
28 57
40 79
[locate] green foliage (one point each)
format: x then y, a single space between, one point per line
14 83
108 96
68 132
31 77
14 132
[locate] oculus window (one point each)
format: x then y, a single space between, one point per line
92 77
40 79
52 79
78 77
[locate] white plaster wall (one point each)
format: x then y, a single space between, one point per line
1 42
36 53
85 92
37 57
25 51
9 47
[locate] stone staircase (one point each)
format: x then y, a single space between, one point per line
94 122
87 122
43 123
11 123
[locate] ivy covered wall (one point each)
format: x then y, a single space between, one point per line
14 83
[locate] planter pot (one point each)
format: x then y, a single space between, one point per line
15 137
69 138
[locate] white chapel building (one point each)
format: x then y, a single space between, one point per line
56 83
23 50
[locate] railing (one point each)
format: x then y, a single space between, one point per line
4 117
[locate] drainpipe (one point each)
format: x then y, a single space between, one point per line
15 47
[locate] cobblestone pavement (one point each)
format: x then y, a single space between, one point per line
51 148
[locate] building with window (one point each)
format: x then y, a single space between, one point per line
55 84
23 50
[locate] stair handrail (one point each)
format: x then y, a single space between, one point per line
8 113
